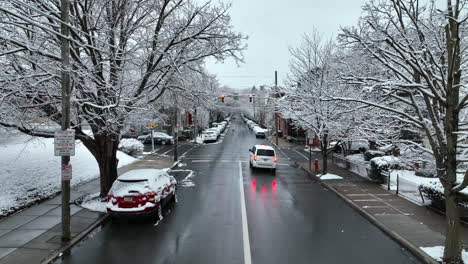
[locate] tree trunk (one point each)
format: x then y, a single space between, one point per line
107 161
453 243
324 154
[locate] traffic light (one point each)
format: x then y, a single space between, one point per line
222 98
251 97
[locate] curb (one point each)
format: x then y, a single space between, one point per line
392 234
67 247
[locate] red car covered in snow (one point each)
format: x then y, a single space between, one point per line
141 192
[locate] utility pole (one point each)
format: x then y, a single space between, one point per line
65 52
176 131
275 113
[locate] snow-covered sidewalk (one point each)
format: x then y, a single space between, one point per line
30 172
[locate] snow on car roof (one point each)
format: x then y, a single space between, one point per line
141 174
264 147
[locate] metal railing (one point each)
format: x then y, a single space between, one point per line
391 181
356 167
402 187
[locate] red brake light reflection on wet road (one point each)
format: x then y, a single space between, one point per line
273 185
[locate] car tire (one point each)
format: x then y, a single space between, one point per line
160 211
163 142
273 171
174 197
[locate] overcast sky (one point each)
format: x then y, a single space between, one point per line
275 25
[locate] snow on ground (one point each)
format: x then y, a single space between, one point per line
93 202
356 158
199 139
329 176
187 181
411 177
438 252
30 172
312 149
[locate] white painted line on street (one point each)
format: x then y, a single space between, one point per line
168 151
307 158
196 161
245 227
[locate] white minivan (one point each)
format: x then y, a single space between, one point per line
262 156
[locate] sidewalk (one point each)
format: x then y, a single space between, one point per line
34 234
411 225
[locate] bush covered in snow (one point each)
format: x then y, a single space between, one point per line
131 146
434 193
383 164
370 154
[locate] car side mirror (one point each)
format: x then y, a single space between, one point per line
250 150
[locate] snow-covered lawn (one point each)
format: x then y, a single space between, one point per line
329 176
30 172
357 158
438 252
409 176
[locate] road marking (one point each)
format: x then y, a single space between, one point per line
168 151
245 227
302 155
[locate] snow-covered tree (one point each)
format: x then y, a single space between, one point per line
125 56
312 79
421 48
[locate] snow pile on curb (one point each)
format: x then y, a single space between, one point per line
31 173
187 181
329 176
438 252
93 202
199 140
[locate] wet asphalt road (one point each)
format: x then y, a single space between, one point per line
289 218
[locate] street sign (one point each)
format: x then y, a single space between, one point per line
66 172
64 142
152 125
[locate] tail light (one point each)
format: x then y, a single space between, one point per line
255 157
276 159
151 196
111 198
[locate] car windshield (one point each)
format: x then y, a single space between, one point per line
266 152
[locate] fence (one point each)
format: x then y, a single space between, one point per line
356 167
405 188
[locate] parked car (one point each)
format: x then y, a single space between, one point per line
216 131
159 138
209 136
259 132
141 192
262 156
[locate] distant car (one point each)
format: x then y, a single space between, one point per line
159 138
141 192
262 156
209 136
215 130
259 132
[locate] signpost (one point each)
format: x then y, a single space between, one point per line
64 143
152 126
66 172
